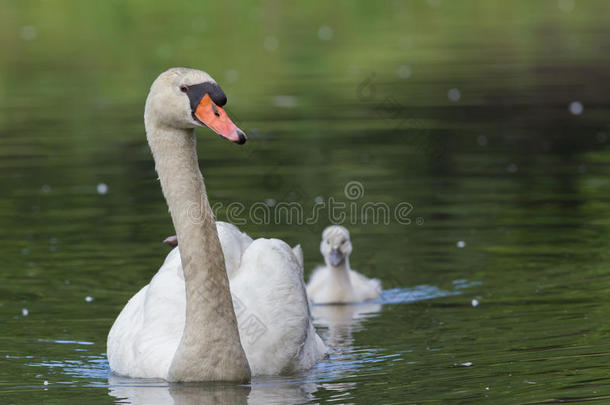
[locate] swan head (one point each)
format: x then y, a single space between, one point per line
187 98
336 245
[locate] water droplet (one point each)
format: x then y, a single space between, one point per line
88 298
318 200
271 43
475 302
232 75
25 312
466 364
46 382
198 24
325 33
454 95
28 33
284 101
567 6
461 244
403 71
270 202
102 188
576 108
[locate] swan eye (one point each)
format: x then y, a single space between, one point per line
184 88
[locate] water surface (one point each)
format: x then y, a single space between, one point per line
488 119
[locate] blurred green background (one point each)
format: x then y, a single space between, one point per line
490 118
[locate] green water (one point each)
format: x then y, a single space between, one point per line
461 112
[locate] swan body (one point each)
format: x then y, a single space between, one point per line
222 306
272 310
336 282
266 281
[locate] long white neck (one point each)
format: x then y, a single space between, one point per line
210 349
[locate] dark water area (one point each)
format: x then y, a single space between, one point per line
467 141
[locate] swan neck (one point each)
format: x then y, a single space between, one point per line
341 271
210 348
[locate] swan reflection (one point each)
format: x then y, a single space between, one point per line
340 321
159 392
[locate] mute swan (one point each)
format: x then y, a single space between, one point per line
191 323
337 283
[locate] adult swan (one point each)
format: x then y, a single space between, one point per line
186 325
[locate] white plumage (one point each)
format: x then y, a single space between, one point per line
336 282
266 280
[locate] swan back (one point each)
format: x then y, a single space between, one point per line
234 243
273 311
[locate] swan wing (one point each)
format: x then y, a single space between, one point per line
234 243
366 288
144 338
272 310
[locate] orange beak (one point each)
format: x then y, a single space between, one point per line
217 119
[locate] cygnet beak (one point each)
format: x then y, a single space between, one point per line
335 258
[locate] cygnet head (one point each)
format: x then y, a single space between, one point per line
187 98
336 245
